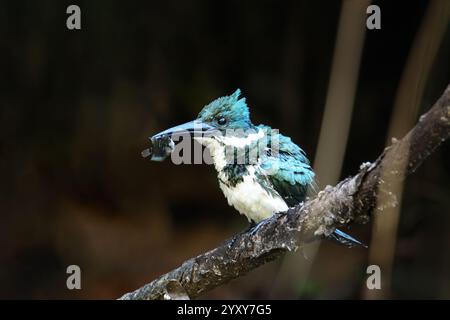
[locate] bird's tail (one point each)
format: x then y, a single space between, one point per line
345 239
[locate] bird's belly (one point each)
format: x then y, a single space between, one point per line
252 200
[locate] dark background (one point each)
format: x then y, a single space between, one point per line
77 107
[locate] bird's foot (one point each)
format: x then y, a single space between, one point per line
255 227
233 240
252 229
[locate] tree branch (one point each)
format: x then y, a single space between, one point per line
352 200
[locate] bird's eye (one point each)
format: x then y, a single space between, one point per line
221 121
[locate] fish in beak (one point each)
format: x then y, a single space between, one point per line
162 143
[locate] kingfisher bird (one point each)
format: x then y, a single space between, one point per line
260 171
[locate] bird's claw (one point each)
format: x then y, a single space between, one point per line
254 229
231 243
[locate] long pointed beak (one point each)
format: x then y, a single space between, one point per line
195 127
162 144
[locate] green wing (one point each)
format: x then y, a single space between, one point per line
288 173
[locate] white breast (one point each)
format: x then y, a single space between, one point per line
247 196
252 200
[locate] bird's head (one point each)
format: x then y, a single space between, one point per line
218 117
226 113
223 122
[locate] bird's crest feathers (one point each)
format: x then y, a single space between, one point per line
233 108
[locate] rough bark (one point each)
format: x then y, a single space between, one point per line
352 200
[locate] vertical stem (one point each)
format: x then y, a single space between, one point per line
406 107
